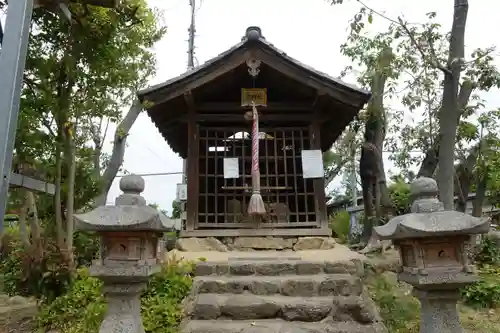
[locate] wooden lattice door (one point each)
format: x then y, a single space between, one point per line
289 198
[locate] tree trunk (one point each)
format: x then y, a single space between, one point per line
464 175
23 226
450 111
119 145
431 158
36 235
70 184
58 194
371 163
477 205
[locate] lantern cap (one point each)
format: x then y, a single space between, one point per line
130 212
428 217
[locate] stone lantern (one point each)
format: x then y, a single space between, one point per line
433 247
130 235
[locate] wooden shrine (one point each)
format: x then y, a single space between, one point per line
207 116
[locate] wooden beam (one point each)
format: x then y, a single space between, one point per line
227 117
189 99
197 78
319 183
17 180
231 107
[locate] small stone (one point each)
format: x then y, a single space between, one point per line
314 243
263 287
195 244
216 244
219 286
241 268
299 287
18 300
206 306
343 285
244 307
308 310
355 308
308 268
275 268
204 268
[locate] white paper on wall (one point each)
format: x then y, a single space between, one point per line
312 163
231 167
181 192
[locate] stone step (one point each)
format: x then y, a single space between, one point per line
309 309
278 326
278 266
287 285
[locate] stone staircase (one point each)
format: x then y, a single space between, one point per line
271 295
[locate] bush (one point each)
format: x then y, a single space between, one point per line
43 272
488 251
484 293
399 193
339 223
398 310
82 308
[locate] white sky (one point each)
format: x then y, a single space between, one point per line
310 31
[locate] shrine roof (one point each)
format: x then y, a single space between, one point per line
221 78
252 39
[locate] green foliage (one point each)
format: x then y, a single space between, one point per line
41 272
79 310
176 209
82 308
399 193
488 252
339 223
86 246
484 293
398 310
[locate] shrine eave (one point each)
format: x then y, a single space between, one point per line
254 45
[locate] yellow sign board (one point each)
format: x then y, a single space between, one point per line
256 95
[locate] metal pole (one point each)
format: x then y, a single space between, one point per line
12 62
190 66
354 187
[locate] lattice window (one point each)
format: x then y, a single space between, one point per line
288 196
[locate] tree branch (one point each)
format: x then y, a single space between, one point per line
431 61
119 144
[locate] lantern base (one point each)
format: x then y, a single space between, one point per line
439 312
124 308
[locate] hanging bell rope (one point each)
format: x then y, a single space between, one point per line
256 205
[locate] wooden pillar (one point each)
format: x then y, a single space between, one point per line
319 184
192 166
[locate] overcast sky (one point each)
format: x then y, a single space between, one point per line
310 31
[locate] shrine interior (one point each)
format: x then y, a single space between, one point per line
289 198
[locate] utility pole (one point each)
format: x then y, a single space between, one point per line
190 65
354 192
181 194
192 34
